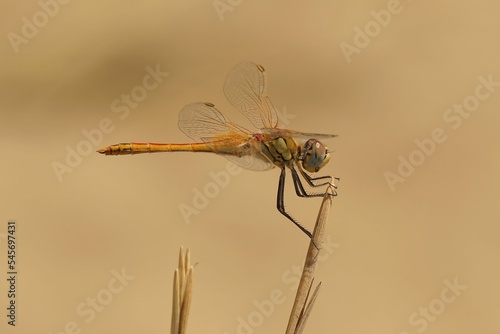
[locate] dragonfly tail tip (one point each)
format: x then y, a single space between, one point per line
103 151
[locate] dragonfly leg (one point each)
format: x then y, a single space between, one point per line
299 187
281 204
313 181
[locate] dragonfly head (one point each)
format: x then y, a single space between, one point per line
315 155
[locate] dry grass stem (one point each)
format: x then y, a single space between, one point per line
300 311
305 314
182 294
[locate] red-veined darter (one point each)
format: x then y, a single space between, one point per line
246 89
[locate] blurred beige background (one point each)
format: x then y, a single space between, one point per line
394 249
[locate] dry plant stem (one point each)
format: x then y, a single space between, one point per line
301 311
186 303
183 290
176 301
305 315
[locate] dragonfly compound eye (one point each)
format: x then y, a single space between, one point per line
316 155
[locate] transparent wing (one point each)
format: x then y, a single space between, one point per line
246 89
251 162
202 122
275 133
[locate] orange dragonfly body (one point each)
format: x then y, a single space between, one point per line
246 90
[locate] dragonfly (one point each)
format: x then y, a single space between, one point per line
246 89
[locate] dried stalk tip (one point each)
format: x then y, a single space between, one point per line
182 294
300 312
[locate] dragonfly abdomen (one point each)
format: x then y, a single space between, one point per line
137 148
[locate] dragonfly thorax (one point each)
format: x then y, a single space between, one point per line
314 155
280 150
